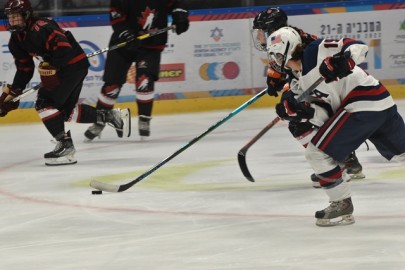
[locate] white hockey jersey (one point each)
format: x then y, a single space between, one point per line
356 92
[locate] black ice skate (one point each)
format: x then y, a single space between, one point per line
119 119
94 131
353 169
63 154
144 125
341 211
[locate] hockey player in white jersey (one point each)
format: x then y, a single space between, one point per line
352 107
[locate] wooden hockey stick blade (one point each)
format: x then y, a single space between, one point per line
119 188
242 152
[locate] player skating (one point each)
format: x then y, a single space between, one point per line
358 107
130 19
264 24
63 67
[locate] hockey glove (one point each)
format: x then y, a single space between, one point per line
9 93
8 106
128 36
292 110
180 20
275 82
49 76
336 66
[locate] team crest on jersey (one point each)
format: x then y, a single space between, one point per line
147 18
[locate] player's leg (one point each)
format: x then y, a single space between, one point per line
53 107
389 139
147 67
115 74
326 153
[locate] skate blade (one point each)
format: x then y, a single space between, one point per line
345 220
126 117
66 160
358 175
88 140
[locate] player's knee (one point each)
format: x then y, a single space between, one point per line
303 132
110 90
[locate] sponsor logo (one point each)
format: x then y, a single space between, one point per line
400 38
219 71
172 72
216 34
355 30
168 73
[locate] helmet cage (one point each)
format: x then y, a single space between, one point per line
265 23
22 7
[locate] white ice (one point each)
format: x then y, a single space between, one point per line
197 212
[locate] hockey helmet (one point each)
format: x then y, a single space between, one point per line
265 23
280 46
22 7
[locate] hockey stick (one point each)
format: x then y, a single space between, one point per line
244 149
113 47
119 188
122 44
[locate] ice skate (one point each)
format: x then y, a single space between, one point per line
119 119
144 125
353 169
63 154
336 214
93 131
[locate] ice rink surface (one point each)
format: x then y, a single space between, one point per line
197 212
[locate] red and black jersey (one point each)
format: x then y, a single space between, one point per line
46 41
140 16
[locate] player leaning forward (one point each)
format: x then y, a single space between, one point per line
63 67
356 107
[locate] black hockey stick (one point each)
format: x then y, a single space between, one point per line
242 152
113 47
122 44
119 188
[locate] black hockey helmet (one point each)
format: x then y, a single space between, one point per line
270 20
265 23
22 7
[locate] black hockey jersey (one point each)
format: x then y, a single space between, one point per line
140 16
46 41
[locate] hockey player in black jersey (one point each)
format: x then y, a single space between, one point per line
130 19
264 24
63 67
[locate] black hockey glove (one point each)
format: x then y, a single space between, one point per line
336 66
128 36
9 92
180 20
292 110
8 106
275 82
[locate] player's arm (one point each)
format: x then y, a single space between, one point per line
340 65
24 64
179 16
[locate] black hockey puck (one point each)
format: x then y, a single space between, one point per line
96 192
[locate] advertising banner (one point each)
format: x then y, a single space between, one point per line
219 54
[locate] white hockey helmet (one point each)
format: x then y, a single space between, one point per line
280 46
